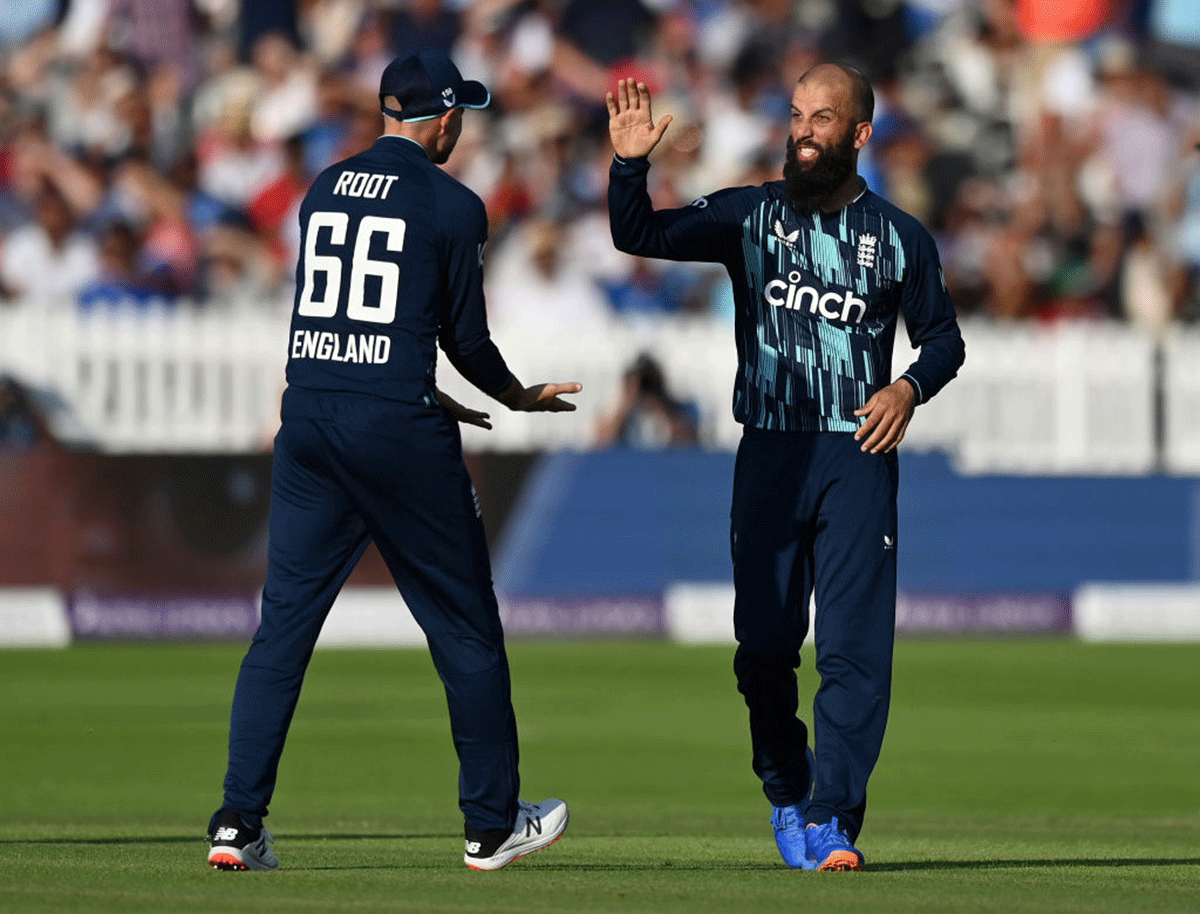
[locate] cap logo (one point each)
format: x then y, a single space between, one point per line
448 98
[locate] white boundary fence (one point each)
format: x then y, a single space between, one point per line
1072 398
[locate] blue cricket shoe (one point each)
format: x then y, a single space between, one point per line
829 848
790 833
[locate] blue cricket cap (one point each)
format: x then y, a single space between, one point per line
427 84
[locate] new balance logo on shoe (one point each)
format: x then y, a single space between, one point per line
233 846
537 826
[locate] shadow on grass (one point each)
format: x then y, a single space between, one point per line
915 866
665 866
1069 862
194 839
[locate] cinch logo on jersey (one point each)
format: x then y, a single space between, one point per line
835 306
371 348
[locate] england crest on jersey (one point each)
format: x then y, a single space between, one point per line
866 250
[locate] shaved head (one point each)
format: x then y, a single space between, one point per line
860 96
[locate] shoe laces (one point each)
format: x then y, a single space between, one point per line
787 819
832 833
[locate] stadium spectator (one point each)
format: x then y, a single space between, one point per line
285 101
646 414
240 269
510 200
275 208
588 25
203 210
529 285
48 259
256 18
20 426
366 55
234 166
157 34
651 288
1145 283
121 281
425 24
740 120
1183 213
88 107
169 250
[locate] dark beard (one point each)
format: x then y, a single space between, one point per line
810 186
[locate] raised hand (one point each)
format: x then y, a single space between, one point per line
630 125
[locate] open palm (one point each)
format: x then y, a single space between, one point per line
630 125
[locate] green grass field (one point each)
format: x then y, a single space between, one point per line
1017 775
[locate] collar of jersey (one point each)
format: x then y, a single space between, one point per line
396 136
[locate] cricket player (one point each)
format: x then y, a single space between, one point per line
391 267
821 266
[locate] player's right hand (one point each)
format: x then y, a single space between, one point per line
630 125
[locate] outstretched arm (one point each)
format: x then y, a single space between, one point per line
538 397
630 125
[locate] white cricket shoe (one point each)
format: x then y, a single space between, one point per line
233 846
538 825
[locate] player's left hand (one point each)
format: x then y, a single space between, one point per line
887 414
460 413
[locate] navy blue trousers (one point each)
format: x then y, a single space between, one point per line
348 470
812 513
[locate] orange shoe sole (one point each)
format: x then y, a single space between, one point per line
226 862
843 861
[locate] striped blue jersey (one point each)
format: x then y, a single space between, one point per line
816 295
390 268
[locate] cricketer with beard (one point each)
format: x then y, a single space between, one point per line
821 267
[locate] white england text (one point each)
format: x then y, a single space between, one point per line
369 348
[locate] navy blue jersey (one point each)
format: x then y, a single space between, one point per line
816 295
391 266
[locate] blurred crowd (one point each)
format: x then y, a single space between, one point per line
155 151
